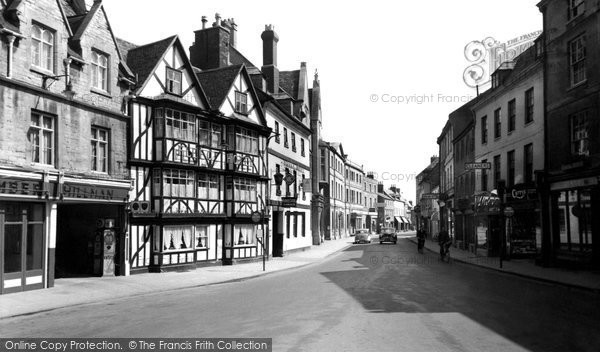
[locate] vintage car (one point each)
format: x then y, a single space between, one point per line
388 234
362 236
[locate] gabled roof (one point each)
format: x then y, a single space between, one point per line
143 60
217 83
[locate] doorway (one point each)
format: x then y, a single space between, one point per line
22 234
277 234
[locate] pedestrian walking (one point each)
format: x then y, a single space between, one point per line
444 242
420 241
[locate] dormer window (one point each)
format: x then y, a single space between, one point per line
42 41
173 81
576 8
99 71
241 103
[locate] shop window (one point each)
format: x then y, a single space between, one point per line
573 208
174 79
42 47
99 149
41 138
244 235
201 237
177 238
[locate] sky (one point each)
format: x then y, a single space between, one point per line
390 71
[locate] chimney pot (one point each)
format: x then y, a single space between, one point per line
204 20
217 19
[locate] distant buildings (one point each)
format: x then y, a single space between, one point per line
525 152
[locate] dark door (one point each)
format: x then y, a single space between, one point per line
277 234
22 233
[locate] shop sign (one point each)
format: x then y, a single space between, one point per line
430 196
487 203
288 202
521 194
22 187
478 166
92 192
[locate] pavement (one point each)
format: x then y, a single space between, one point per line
579 279
70 292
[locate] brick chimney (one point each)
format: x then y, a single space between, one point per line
269 68
232 26
211 45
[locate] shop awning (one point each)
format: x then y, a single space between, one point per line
406 220
399 219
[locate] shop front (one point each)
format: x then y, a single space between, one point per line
575 226
488 223
51 224
523 226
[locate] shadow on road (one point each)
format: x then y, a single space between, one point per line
537 316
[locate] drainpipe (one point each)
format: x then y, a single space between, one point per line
9 65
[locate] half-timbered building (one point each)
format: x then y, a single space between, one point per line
198 160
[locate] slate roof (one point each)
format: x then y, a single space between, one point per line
143 59
217 82
288 81
125 47
236 58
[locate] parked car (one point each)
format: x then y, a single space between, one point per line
362 236
388 234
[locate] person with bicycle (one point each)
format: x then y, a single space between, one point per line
444 241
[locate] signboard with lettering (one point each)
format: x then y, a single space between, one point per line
40 189
430 196
477 166
288 202
487 203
